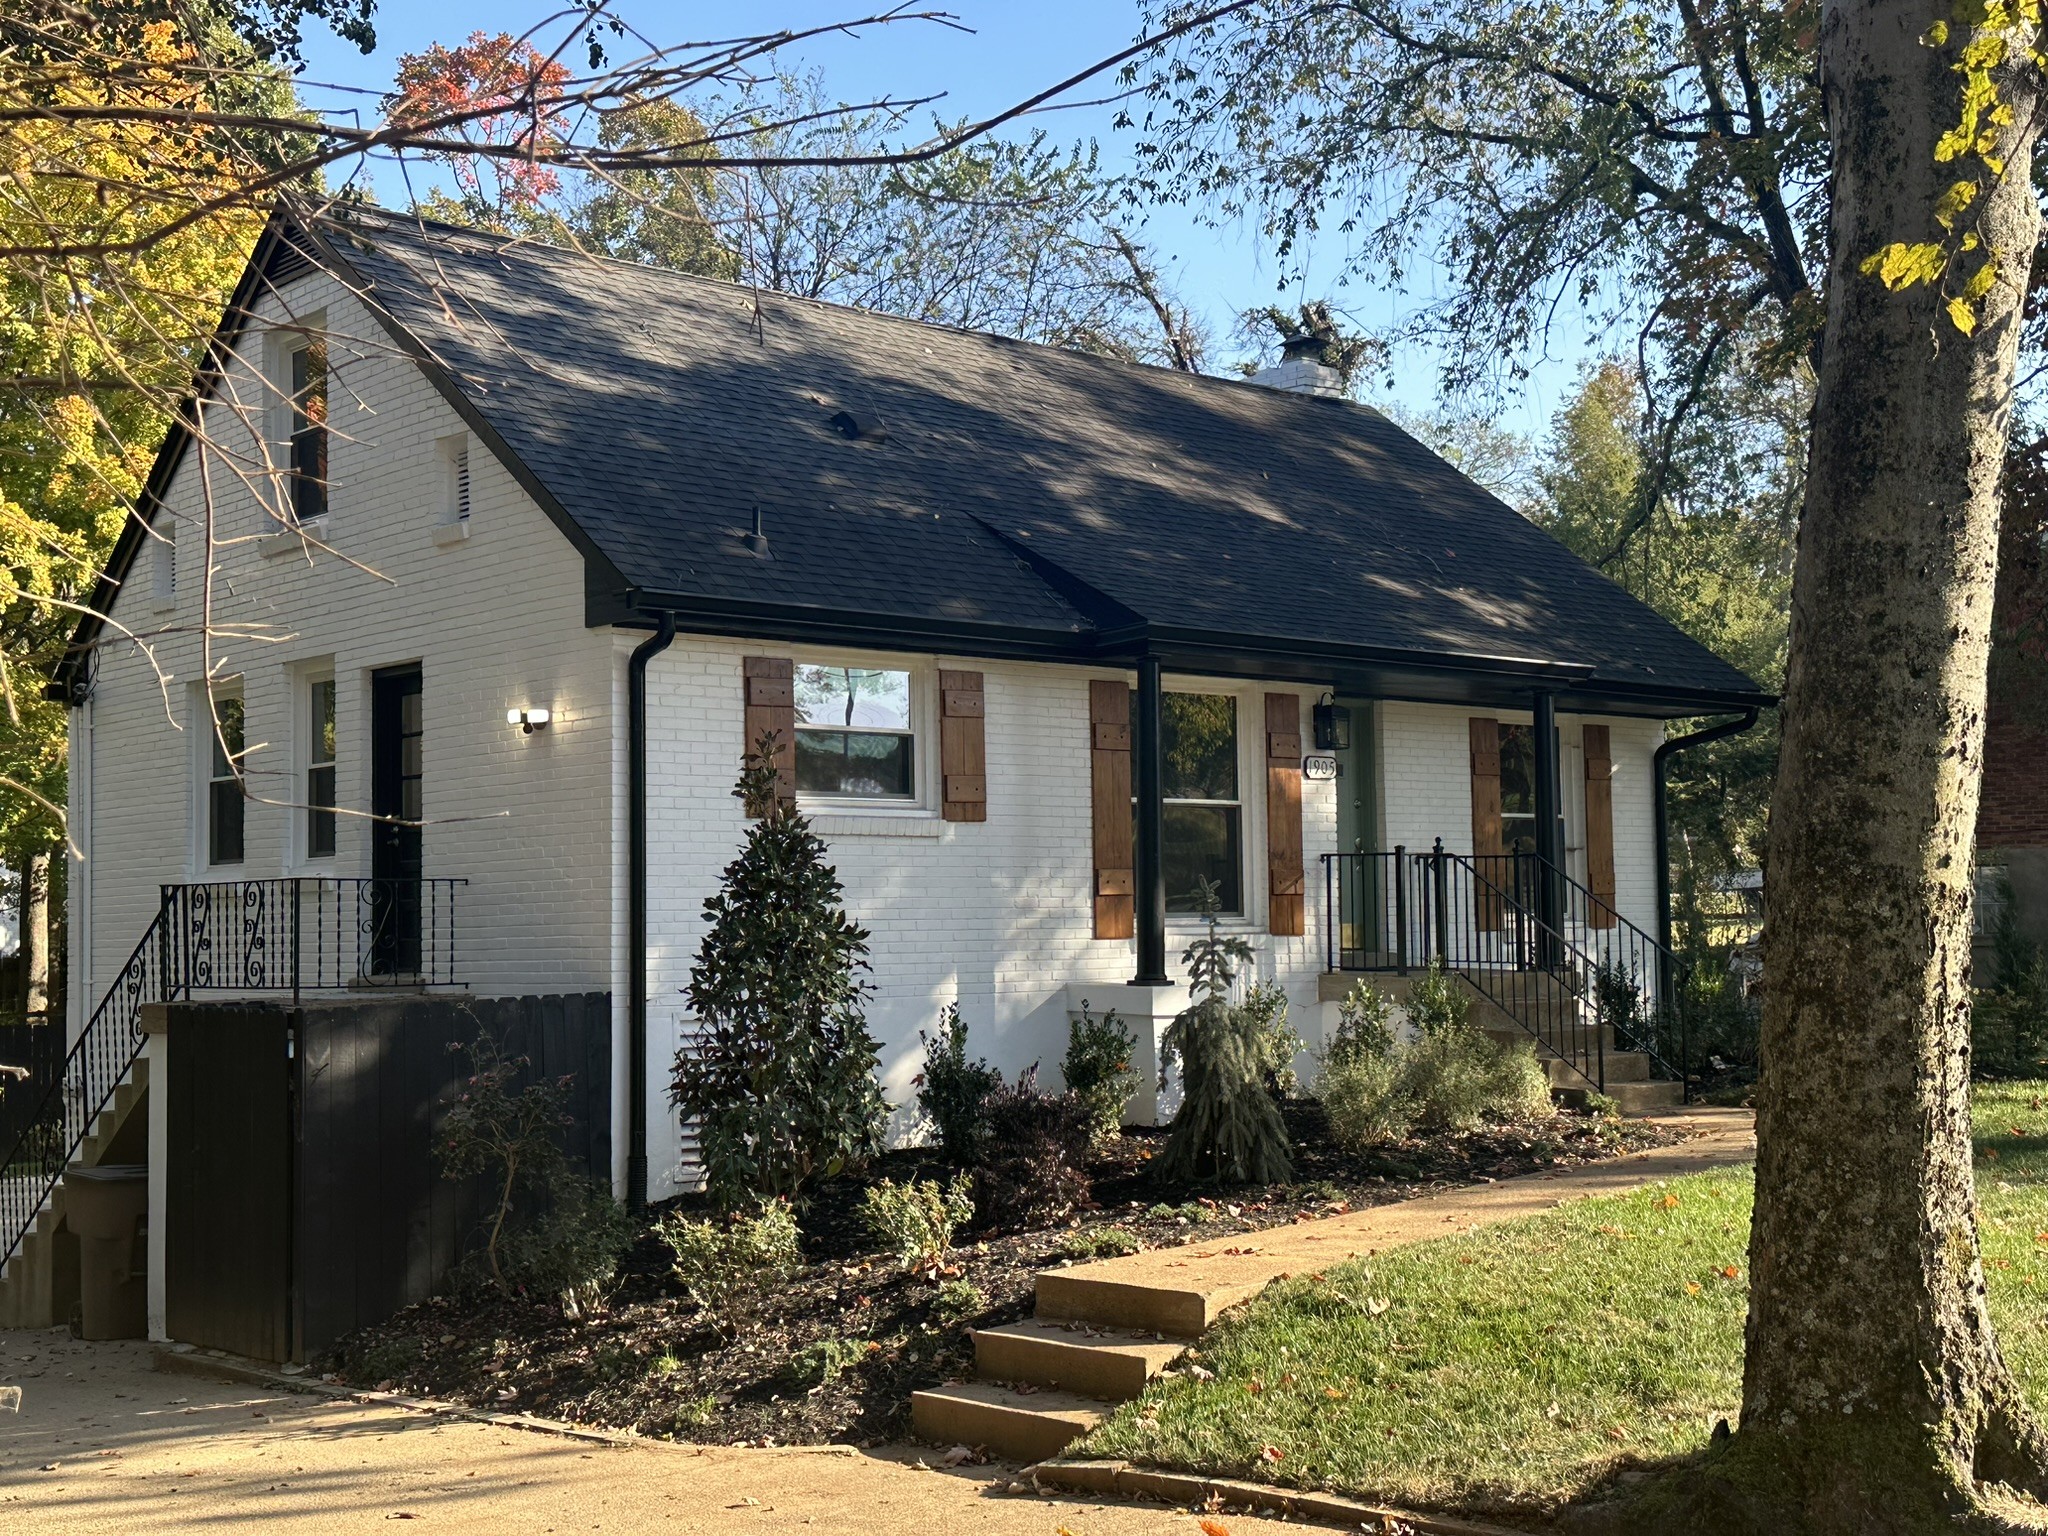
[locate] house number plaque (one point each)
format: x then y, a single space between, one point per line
1317 769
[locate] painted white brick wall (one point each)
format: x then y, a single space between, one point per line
993 915
495 621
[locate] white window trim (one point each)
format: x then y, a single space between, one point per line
201 717
924 734
289 335
302 679
1251 815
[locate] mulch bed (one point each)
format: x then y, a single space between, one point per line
647 1362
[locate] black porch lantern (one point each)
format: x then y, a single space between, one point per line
1332 726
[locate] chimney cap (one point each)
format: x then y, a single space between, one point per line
1306 345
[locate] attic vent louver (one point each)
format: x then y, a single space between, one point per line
860 426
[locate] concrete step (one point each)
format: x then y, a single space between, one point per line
1018 1426
1112 1364
1631 1098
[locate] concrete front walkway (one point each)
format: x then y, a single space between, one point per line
1181 1291
103 1444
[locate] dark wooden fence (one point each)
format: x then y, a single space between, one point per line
368 1224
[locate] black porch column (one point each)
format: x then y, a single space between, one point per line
1146 775
1549 826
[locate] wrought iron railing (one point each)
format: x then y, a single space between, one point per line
46 1115
310 934
1579 981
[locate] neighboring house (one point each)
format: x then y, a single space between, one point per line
957 575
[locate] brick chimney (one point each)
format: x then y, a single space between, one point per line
1301 369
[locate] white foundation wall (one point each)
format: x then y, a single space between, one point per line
993 915
495 621
1426 791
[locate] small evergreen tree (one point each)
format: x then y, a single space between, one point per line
1229 1125
781 1076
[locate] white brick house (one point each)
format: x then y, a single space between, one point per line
533 462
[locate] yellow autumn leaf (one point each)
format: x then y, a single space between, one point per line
1692 1287
1935 35
1980 284
1963 317
1952 202
1900 265
1670 1200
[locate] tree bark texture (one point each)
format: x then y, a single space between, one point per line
35 935
1874 1394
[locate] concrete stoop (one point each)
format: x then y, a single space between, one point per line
1105 1329
39 1284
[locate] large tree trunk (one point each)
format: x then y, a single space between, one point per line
35 935
1875 1398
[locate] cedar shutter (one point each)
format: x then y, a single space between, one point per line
963 749
1109 774
1284 897
1599 824
771 710
1486 844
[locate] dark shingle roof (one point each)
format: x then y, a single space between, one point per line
658 411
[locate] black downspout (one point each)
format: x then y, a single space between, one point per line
636 906
1666 751
1149 868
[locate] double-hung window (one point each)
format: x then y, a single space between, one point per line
855 734
320 768
225 800
1517 789
306 447
1204 814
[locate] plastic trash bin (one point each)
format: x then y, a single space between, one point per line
107 1209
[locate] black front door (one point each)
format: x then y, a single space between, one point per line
396 855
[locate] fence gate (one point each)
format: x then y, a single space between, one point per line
228 1237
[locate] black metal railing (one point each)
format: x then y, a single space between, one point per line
1581 983
309 934
46 1115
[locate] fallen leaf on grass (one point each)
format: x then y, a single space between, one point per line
1375 1305
1669 1202
1730 1272
1692 1287
1271 1453
1333 1394
1214 1528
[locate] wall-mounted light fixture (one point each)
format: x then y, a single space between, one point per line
1332 726
528 720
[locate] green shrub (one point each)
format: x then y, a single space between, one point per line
780 1077
571 1249
1450 1077
1437 1003
548 1230
1097 1067
958 1300
1365 1025
820 1362
731 1266
2009 1020
917 1219
1099 1243
952 1092
1034 1167
1232 1057
1618 1004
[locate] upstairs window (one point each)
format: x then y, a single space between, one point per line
854 736
306 465
320 769
225 800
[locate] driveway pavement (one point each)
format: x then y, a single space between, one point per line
103 1443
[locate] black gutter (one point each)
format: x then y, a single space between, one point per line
1665 752
636 900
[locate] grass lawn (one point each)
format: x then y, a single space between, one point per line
1513 1367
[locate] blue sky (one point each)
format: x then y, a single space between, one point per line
1001 52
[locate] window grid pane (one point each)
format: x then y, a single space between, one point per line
320 820
309 431
855 765
224 798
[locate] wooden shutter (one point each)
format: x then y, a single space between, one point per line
1284 893
1599 824
1486 844
963 748
771 709
1109 773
